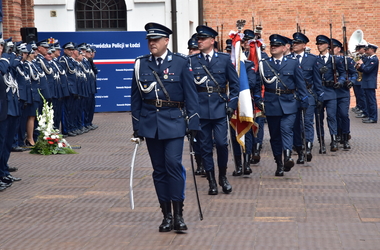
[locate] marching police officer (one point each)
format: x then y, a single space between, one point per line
283 81
212 72
343 95
370 68
313 83
326 64
163 94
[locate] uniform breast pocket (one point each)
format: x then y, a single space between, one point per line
288 73
171 78
268 74
146 80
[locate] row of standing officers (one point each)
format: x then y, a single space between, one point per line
174 95
29 71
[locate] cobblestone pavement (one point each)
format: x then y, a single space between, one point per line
82 201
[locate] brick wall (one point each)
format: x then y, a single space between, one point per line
280 16
17 14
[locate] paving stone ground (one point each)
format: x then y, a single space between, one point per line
82 201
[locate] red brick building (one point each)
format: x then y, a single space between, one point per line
17 14
282 16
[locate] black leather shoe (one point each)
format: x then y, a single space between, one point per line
179 223
280 166
309 147
71 133
27 143
18 149
12 169
213 188
247 162
14 178
333 144
256 153
93 127
167 222
2 188
78 132
369 121
301 155
238 166
322 146
361 116
6 180
226 186
288 161
198 160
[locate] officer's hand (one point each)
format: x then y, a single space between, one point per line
304 104
230 112
337 85
24 105
136 135
349 84
260 105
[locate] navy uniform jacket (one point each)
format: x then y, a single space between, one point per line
291 75
4 67
43 82
370 69
165 122
330 93
62 80
68 64
95 72
312 77
213 105
343 91
22 79
46 66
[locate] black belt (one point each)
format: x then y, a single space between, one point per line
328 83
160 103
280 91
211 89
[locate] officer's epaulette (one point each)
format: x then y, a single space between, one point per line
312 55
224 53
142 56
194 55
181 55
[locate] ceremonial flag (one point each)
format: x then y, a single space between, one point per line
242 120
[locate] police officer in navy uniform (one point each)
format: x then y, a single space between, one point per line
325 65
163 98
370 68
313 83
212 72
69 104
343 95
283 81
192 46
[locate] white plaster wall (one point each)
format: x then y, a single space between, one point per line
139 12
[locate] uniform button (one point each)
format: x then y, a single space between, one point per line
209 95
158 89
158 110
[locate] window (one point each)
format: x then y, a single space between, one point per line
101 15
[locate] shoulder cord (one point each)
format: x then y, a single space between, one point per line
21 72
140 87
277 75
71 71
43 66
63 72
11 83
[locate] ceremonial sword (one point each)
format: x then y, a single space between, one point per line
137 141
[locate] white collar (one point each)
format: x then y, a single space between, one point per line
210 54
163 56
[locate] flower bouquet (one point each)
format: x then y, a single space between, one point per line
49 141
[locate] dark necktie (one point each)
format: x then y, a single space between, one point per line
159 62
278 63
207 59
324 59
298 57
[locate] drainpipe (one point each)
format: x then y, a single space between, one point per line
174 25
200 12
